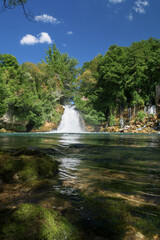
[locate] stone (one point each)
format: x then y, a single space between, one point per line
139 236
2 130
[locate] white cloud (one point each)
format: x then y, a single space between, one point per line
64 45
44 38
140 6
130 17
116 1
46 19
69 33
29 39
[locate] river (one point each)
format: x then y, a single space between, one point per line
108 184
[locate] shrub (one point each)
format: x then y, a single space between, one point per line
140 116
112 120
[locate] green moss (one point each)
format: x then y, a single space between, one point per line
34 222
28 165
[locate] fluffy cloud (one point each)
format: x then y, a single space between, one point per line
140 6
29 39
46 19
44 38
69 33
116 1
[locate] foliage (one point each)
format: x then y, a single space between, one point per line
123 77
137 100
7 60
11 4
61 72
31 93
140 116
90 115
112 120
3 98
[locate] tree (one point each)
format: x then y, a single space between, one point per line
8 60
3 97
11 4
62 73
123 77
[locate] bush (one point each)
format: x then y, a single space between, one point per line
140 116
112 120
90 115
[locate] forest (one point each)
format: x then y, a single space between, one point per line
32 94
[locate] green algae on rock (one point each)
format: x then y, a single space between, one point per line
32 222
26 165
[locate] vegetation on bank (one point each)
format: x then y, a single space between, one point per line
125 77
31 94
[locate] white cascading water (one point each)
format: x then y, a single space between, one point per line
71 121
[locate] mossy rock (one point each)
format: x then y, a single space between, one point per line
26 165
34 222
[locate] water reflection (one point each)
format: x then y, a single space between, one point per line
49 140
70 163
67 139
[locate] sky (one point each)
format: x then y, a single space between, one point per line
82 28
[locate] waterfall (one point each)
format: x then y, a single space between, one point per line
71 121
152 110
121 123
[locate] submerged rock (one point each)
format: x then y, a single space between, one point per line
32 222
26 165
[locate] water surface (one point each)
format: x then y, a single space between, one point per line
108 183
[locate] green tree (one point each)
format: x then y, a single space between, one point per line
3 97
7 60
123 77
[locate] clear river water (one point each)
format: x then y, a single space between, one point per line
108 184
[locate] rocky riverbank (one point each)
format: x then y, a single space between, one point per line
148 125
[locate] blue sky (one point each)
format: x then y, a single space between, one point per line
82 28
